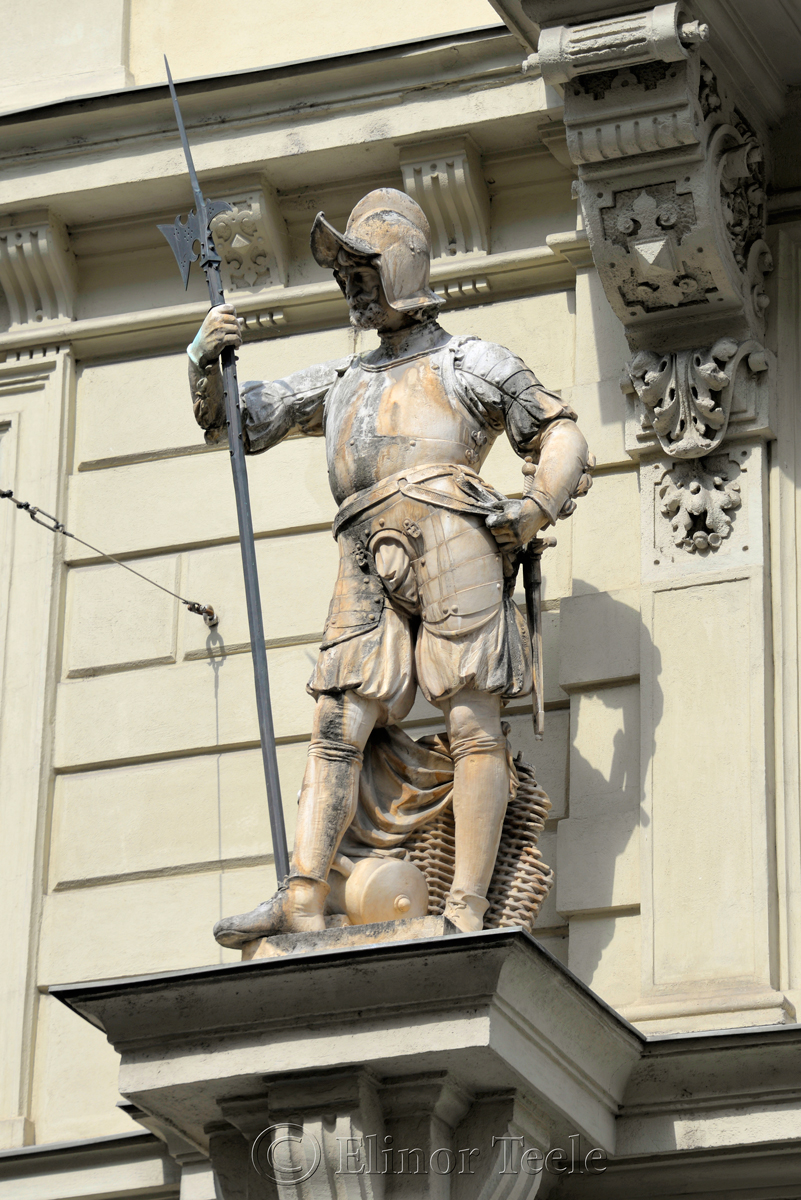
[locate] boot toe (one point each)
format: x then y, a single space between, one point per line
234 932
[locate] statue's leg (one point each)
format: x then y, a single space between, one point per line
328 799
480 796
330 791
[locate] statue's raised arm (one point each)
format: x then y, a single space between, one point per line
270 410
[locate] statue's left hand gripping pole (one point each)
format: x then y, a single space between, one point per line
183 237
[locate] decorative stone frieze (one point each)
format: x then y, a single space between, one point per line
252 241
446 180
37 269
456 291
259 324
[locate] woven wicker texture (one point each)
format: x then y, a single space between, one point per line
521 880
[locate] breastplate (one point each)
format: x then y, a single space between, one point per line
378 422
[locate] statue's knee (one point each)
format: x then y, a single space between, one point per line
474 724
469 737
344 719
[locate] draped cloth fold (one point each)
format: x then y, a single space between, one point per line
404 784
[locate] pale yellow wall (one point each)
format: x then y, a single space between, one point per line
53 52
202 39
133 804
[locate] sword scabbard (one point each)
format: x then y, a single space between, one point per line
532 587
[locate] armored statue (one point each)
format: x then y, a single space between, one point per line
428 553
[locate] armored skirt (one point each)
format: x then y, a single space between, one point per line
423 596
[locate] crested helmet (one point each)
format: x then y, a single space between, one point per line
389 230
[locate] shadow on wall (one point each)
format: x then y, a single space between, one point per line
598 860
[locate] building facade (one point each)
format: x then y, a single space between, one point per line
628 208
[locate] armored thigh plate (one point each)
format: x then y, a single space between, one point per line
359 596
459 573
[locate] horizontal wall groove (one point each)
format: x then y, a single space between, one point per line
433 721
165 660
297 639
137 760
195 868
203 544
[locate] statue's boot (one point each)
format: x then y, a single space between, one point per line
326 808
297 907
480 796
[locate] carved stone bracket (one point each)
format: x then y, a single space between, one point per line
671 180
563 53
687 395
252 241
670 176
446 180
351 1133
37 269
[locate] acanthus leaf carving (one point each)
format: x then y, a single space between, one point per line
687 395
697 499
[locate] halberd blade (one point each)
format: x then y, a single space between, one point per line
182 238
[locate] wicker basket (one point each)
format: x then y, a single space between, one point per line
520 881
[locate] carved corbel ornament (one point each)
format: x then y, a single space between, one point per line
687 395
252 241
256 326
37 269
671 176
697 499
446 180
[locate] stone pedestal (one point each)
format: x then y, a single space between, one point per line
440 1067
466 1067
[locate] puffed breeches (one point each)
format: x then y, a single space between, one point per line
420 598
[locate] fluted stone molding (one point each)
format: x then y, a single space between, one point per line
446 180
37 269
252 241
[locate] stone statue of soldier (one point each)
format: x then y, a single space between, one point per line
427 549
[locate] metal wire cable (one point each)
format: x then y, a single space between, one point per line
55 526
